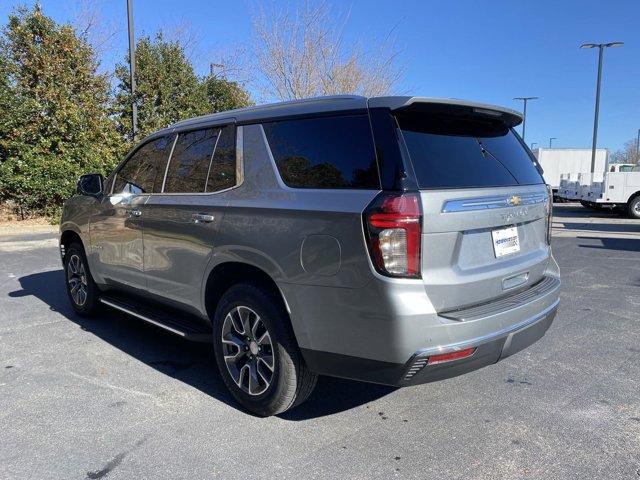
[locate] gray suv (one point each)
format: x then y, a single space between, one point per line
396 240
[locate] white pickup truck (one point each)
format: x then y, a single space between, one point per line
620 188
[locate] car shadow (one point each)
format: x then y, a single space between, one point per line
608 243
188 362
604 227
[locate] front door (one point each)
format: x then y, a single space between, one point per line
116 254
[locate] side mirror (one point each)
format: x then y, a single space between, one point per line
90 184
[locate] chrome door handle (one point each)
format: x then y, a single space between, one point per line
202 218
134 213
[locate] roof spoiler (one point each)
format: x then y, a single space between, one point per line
509 117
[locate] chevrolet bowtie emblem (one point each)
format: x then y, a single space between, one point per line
515 201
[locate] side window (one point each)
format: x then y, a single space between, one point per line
222 173
326 152
189 162
144 171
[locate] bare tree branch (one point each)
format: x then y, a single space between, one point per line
302 53
90 25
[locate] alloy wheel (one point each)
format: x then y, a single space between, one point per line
77 280
247 350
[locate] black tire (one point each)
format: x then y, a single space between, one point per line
634 208
89 305
291 382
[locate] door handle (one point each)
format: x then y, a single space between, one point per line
134 212
202 218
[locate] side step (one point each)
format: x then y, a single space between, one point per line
179 323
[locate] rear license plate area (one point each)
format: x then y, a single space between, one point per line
505 241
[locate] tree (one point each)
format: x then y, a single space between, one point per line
304 54
168 89
54 124
627 154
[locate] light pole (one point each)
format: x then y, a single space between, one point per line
551 139
532 144
524 113
638 148
600 47
132 70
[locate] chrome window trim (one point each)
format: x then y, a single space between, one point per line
166 168
239 155
213 152
496 201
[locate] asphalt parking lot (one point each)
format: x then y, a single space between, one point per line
115 398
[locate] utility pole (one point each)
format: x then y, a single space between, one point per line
132 70
551 140
600 47
524 113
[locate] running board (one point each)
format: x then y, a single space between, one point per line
183 325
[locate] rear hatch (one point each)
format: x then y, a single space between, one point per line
484 202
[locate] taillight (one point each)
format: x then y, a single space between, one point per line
393 225
549 214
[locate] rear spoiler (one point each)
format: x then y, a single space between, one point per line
509 117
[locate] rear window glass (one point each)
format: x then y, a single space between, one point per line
326 152
222 173
459 152
189 162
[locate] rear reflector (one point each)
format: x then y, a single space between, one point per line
448 357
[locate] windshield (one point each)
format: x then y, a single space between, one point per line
465 152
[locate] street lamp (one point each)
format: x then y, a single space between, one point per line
524 113
551 139
600 47
532 144
132 70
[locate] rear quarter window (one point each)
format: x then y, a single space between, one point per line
325 152
463 152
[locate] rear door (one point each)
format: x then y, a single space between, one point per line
180 223
485 206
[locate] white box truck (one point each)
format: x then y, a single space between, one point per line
620 188
557 162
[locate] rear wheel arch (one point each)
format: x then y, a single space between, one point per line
630 204
633 196
228 274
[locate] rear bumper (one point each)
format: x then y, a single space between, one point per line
490 349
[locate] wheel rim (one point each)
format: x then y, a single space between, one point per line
77 280
636 208
247 350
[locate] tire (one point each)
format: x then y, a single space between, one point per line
634 207
78 279
270 342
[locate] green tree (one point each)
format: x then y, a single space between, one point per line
54 124
168 89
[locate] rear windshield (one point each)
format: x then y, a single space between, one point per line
465 152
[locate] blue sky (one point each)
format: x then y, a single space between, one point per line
488 51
